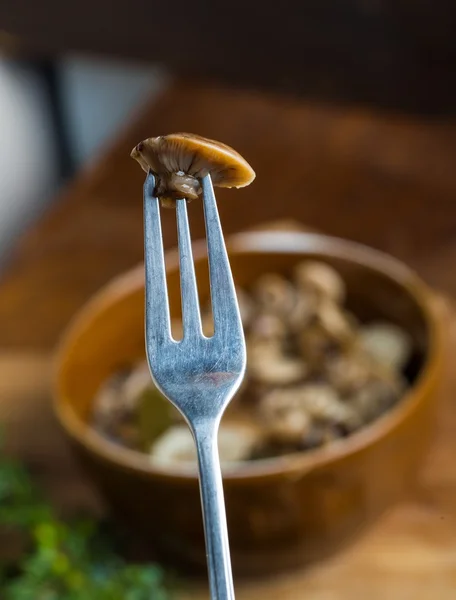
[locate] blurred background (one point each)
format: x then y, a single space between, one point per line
345 109
71 75
55 115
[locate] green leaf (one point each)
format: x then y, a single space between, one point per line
67 561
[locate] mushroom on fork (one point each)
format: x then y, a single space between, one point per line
198 374
180 161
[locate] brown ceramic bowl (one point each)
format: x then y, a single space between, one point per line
283 511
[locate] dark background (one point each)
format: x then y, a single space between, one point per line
397 54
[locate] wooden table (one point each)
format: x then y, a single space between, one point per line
378 178
382 179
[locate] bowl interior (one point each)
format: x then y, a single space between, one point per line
109 333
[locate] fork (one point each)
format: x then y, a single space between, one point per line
199 375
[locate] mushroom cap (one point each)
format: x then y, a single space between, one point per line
388 344
322 278
237 440
194 155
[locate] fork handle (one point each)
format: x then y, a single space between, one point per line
214 516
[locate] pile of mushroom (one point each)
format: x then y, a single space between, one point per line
314 375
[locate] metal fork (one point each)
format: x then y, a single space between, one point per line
199 375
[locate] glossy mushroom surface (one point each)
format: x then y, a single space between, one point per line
180 160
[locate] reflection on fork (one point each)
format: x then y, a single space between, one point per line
199 375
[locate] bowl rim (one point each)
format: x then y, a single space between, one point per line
254 242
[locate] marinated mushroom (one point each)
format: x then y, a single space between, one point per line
180 160
269 366
267 327
315 346
375 398
303 311
274 293
175 445
284 419
291 426
236 442
334 321
322 278
348 372
323 403
387 344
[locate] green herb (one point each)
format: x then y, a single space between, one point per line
155 416
64 561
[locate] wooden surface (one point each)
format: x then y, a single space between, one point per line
410 554
386 181
277 520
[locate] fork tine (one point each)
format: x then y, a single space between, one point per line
224 304
158 327
189 291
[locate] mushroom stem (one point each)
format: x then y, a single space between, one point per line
177 186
